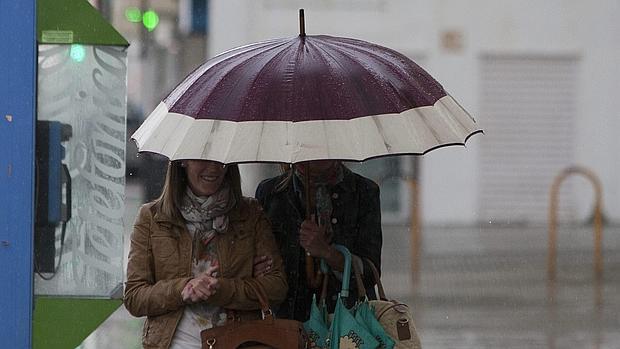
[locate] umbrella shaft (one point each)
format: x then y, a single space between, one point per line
302 23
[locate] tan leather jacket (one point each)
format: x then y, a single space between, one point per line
159 266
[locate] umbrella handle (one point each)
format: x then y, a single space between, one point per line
314 277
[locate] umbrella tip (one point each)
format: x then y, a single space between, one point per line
302 24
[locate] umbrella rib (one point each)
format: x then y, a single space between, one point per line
211 64
231 142
377 121
208 142
381 131
393 69
347 50
428 126
170 134
328 54
191 78
325 133
424 119
276 56
260 142
337 61
357 134
235 69
462 109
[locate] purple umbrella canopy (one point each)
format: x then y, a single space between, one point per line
305 98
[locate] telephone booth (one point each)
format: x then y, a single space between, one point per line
78 172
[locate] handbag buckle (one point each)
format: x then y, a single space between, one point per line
266 313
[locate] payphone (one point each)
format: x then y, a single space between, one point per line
53 195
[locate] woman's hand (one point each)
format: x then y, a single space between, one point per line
262 264
200 288
313 238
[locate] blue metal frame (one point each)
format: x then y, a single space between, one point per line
17 136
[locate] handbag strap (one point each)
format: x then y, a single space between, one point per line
361 290
394 306
377 277
263 300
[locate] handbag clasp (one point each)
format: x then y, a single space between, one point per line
211 342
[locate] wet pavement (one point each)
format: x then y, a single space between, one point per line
479 287
487 287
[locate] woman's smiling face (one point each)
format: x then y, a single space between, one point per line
205 177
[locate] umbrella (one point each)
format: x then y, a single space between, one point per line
305 98
308 97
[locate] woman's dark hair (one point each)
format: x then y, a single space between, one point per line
175 184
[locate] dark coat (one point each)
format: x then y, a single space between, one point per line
356 222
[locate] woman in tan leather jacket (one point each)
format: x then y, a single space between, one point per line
191 256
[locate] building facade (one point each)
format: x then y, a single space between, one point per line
539 77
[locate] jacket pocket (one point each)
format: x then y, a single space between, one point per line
164 246
165 256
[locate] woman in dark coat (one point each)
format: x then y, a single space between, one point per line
346 211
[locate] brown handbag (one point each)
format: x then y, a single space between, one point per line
266 333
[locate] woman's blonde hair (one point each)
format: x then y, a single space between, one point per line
175 184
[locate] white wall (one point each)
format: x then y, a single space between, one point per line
449 175
598 143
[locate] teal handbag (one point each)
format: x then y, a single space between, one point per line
344 331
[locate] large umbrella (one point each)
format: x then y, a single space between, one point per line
305 98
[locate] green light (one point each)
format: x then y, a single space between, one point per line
77 53
133 14
150 19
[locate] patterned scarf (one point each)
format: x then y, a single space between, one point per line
206 218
